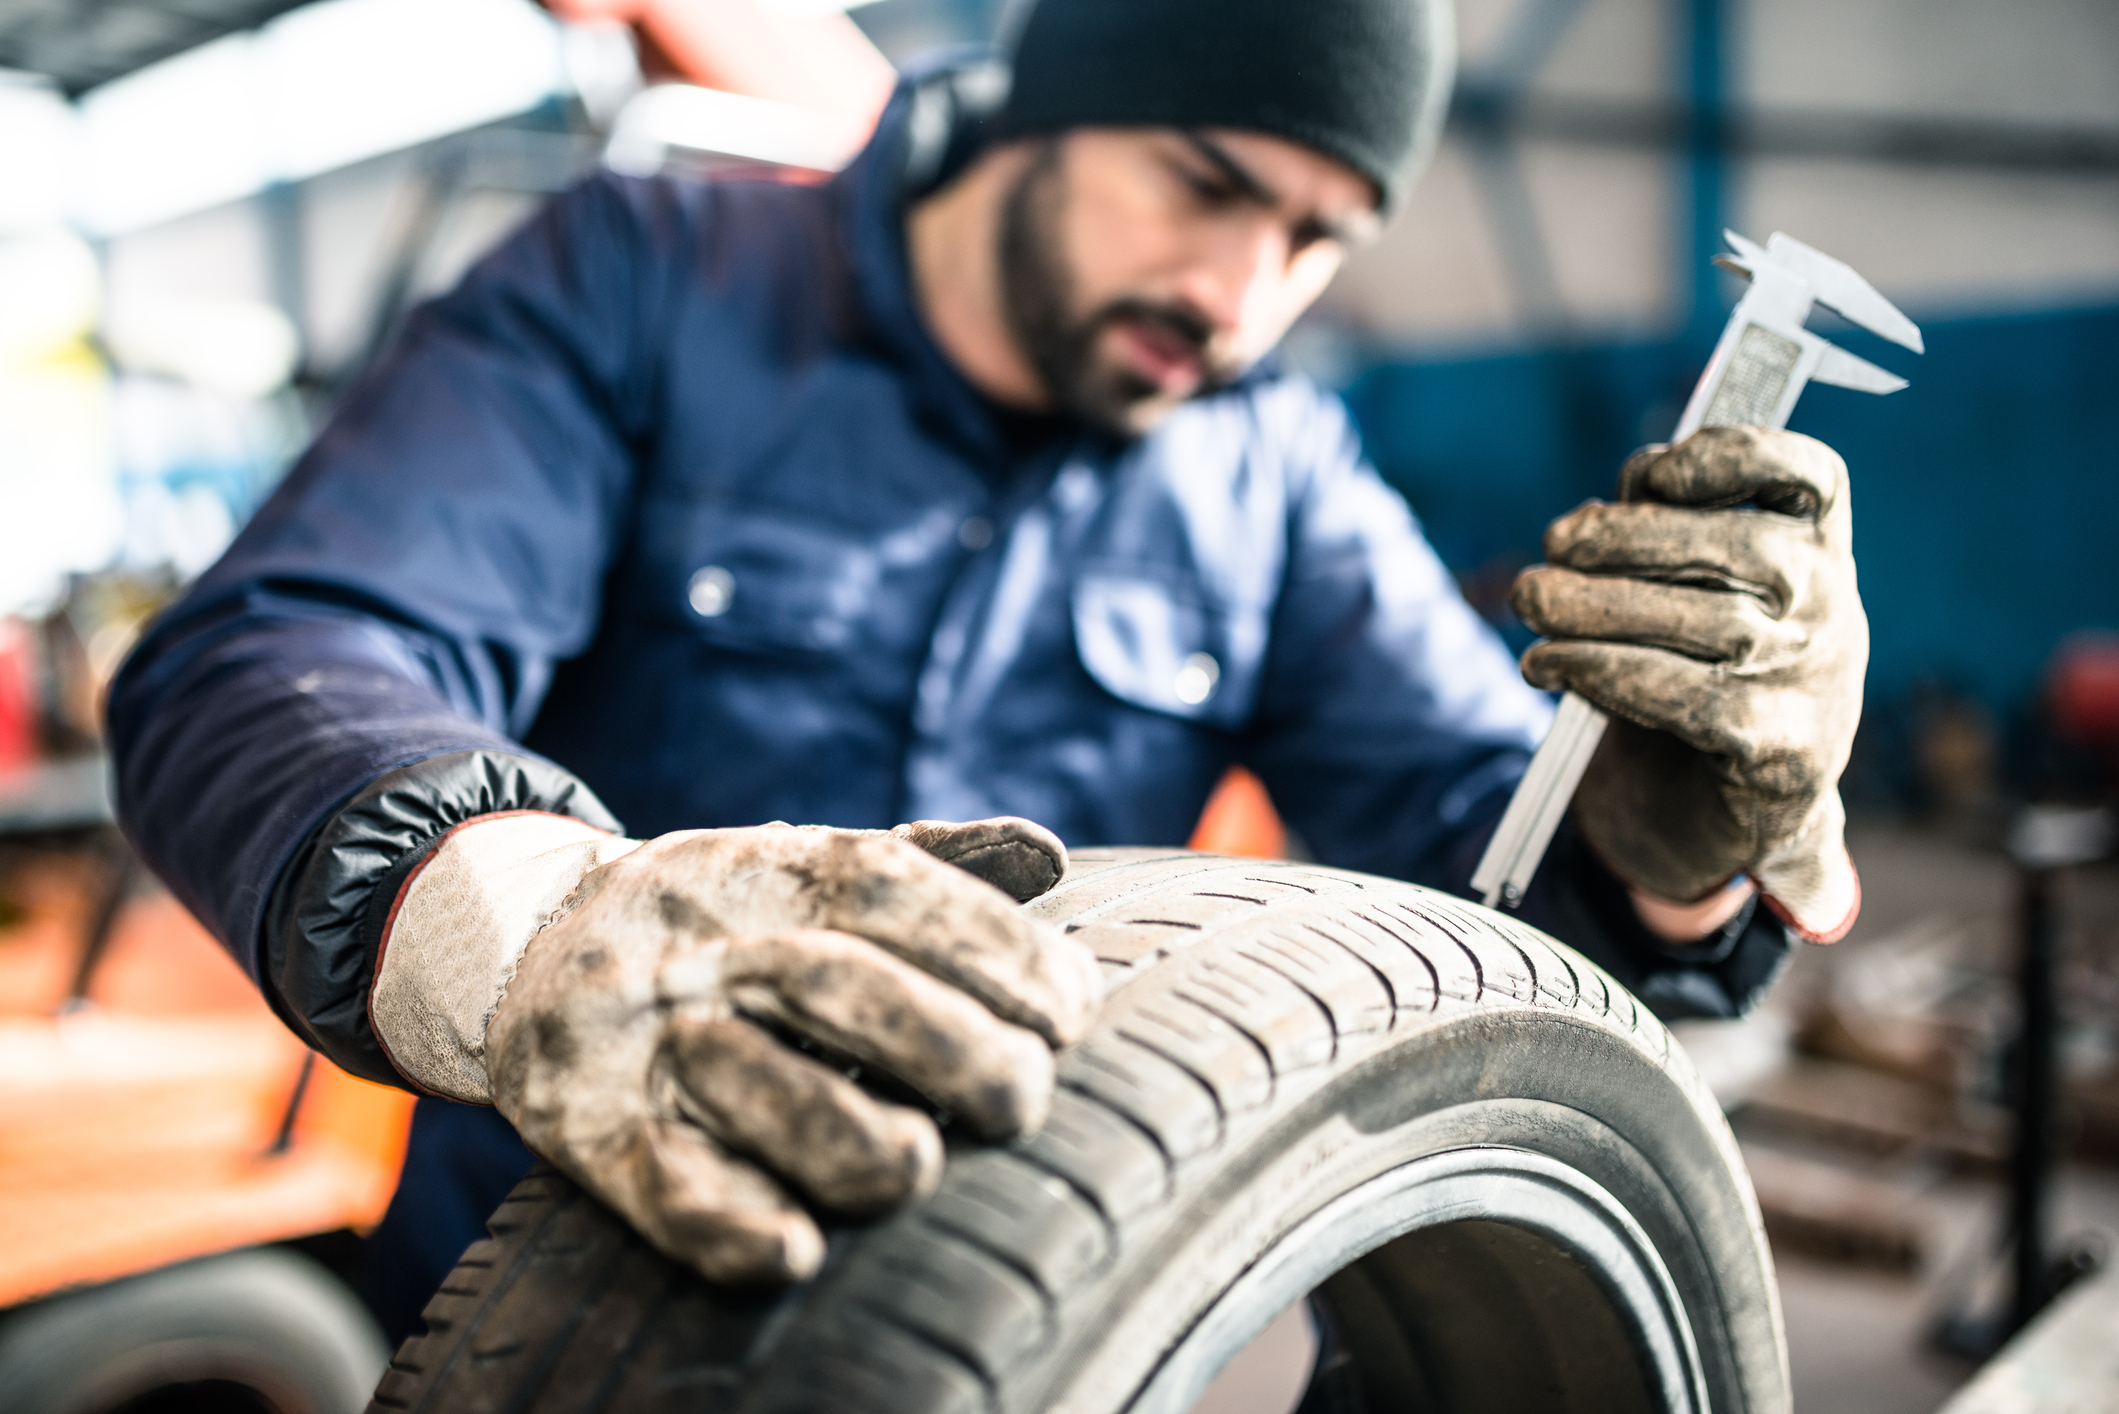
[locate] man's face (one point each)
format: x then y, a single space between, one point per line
1144 266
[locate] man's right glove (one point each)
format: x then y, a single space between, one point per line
677 1037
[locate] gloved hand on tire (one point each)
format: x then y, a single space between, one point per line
672 1022
1713 612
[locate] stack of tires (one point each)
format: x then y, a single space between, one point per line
1497 1180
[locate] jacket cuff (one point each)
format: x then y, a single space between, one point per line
329 909
1580 901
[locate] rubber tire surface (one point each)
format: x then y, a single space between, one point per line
1275 1036
263 1320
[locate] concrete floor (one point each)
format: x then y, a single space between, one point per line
1857 1339
1853 1342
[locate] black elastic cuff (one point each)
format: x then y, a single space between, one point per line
1711 951
324 921
1612 902
1585 905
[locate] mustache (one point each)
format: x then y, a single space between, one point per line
1190 326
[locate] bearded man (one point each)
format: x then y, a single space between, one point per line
959 488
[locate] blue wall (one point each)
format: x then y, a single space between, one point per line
1986 495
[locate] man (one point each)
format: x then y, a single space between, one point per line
956 489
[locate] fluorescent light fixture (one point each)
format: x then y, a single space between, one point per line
174 137
319 88
37 157
349 79
708 120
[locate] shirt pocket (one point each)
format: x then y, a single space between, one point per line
1160 643
762 582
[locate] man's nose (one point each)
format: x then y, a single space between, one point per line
1233 281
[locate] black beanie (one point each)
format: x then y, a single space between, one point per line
1364 81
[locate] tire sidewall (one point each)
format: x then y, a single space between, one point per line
1578 1094
265 1317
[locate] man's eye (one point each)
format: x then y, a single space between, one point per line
1207 187
1307 234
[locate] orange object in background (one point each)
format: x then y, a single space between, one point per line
174 1116
1240 819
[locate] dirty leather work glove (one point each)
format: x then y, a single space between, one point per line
651 1039
1714 614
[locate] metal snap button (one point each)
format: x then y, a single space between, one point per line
1197 679
711 591
976 533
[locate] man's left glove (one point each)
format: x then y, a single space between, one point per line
1713 613
669 1021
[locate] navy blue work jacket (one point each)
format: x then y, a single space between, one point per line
675 493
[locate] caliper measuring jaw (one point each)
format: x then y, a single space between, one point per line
1760 366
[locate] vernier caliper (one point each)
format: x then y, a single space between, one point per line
1760 365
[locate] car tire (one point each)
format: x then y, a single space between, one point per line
260 1331
1499 1181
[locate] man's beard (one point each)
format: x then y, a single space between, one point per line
1038 299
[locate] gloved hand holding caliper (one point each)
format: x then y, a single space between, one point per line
1712 613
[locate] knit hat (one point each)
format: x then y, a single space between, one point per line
1365 81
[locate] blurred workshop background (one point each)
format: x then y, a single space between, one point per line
214 213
